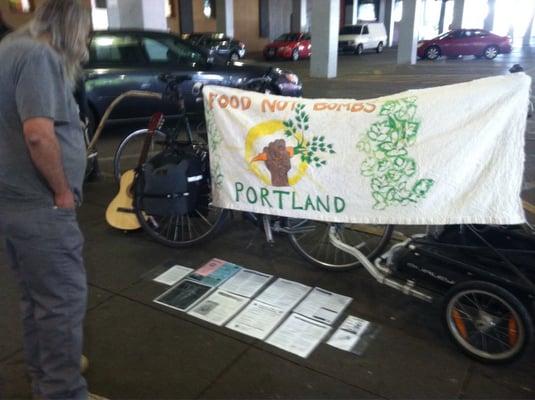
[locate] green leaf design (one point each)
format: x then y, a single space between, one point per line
388 165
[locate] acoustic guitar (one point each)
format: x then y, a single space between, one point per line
120 213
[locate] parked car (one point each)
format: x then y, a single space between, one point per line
463 42
125 60
289 45
219 43
358 38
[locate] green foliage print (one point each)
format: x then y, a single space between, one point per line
310 151
391 170
214 141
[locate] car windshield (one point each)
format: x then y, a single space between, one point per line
351 30
184 50
288 37
449 34
218 36
194 37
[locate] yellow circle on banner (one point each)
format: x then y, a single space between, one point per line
261 130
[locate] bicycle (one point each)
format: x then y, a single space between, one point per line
309 238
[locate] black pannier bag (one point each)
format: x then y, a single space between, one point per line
169 184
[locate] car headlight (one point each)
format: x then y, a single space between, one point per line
420 45
292 78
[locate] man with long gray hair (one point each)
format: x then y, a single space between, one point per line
42 163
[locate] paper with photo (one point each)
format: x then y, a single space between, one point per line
183 295
219 307
299 335
214 272
173 275
322 305
257 320
283 294
349 333
246 282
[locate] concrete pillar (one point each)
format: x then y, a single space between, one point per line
142 14
381 10
442 16
352 12
408 32
299 16
389 20
325 27
458 11
489 20
186 16
225 16
526 40
114 20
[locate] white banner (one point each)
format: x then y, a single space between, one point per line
446 155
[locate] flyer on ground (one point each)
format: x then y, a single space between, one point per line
246 282
214 272
257 320
322 305
299 335
218 307
173 275
183 295
283 294
349 333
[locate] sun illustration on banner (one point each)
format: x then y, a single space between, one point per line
288 144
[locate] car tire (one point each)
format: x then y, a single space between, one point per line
295 55
380 47
491 52
234 56
432 53
359 50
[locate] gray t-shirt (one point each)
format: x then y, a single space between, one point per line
32 84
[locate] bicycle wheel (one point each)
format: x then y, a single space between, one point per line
183 230
127 154
486 321
311 240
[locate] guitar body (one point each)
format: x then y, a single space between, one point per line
120 213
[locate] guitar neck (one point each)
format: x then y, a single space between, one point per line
155 122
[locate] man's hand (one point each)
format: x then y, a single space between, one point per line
45 152
64 200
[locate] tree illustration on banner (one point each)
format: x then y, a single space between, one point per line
389 166
277 154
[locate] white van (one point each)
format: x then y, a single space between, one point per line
363 36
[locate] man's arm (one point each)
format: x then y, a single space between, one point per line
45 152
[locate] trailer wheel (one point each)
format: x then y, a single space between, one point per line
486 321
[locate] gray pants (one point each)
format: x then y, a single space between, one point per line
44 248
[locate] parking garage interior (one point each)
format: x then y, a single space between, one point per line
139 349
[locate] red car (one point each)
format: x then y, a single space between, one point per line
289 45
463 42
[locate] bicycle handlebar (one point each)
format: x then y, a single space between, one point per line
174 79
